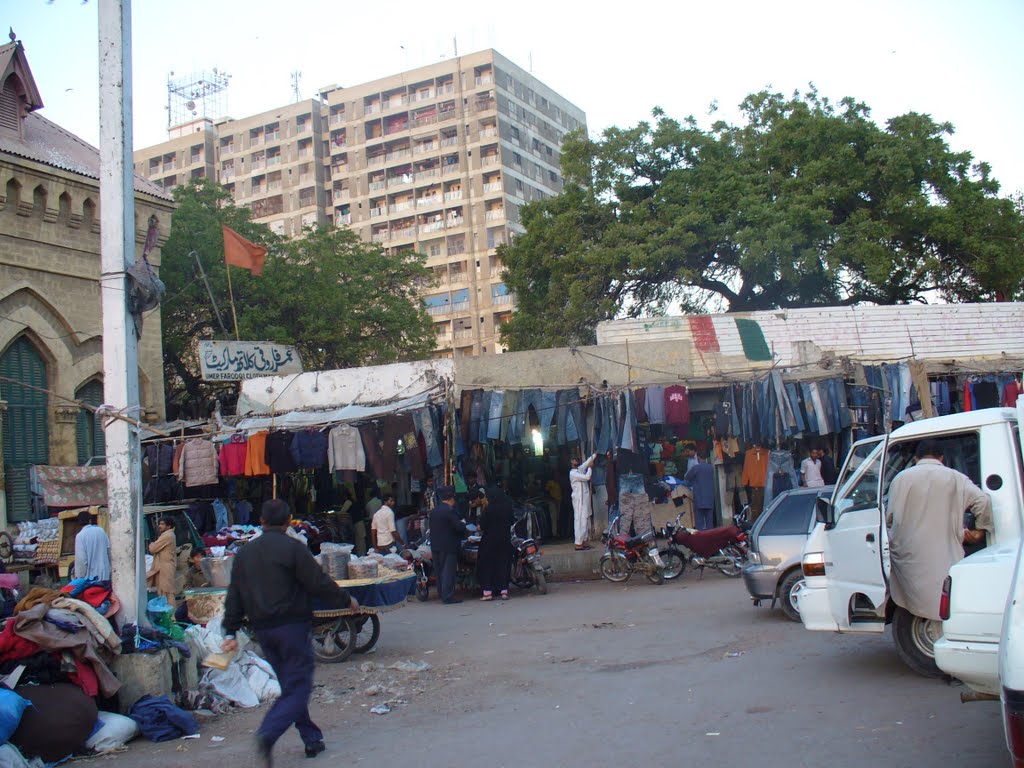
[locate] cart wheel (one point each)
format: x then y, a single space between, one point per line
334 641
367 631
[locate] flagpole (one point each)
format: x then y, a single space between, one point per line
231 298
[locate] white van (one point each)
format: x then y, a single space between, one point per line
846 558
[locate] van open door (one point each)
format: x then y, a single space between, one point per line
856 545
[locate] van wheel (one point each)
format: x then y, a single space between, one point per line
915 641
790 585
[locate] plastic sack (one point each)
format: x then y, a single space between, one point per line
12 707
161 614
232 685
114 731
260 676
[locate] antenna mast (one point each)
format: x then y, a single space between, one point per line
200 94
296 93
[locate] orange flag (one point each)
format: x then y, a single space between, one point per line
239 252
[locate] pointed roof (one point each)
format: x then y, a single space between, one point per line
13 61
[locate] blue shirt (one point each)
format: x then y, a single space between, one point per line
701 477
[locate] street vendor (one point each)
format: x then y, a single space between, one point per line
194 579
165 560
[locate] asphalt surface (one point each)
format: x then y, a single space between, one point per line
595 674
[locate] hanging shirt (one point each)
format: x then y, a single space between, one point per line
345 449
278 456
654 404
309 448
232 456
677 406
755 468
256 455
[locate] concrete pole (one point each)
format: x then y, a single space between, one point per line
120 347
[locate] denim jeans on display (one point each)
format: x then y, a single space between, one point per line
424 421
494 414
779 462
544 403
570 416
512 425
793 395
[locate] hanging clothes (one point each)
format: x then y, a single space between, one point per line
278 455
198 464
654 403
256 455
677 406
755 468
309 448
233 454
345 449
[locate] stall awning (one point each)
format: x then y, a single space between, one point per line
348 413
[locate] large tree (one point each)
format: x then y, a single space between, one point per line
803 203
341 301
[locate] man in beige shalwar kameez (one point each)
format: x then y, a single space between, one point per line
165 560
925 516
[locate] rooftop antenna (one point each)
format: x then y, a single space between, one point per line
195 95
296 93
455 45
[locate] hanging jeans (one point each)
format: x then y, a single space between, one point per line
570 416
779 462
633 511
494 415
628 440
544 404
475 414
794 403
424 421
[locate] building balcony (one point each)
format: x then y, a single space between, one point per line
485 80
338 119
376 213
455 221
400 154
340 194
372 109
274 160
418 122
376 160
488 132
431 200
257 165
489 160
464 333
377 185
406 232
493 186
407 206
498 301
495 214
274 186
379 237
454 195
432 226
444 309
452 168
450 141
342 218
428 173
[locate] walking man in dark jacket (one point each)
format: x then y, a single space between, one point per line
446 529
274 579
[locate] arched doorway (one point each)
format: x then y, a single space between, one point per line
25 425
89 438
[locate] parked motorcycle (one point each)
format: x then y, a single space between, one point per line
421 557
724 549
527 569
624 555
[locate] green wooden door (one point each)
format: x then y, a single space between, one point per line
88 430
25 433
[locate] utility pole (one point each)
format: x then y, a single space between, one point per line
120 346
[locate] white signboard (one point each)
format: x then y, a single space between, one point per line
234 360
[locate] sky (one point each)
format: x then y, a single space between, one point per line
958 61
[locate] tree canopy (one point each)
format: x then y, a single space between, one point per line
340 301
803 203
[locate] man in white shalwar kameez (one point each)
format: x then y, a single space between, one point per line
579 479
925 516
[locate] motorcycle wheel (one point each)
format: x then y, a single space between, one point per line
614 567
654 575
334 642
422 591
675 563
735 568
521 578
367 632
540 582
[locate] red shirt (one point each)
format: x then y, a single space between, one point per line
677 405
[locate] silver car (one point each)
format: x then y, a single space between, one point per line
776 542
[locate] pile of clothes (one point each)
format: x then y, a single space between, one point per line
59 638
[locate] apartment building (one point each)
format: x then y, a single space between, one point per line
436 160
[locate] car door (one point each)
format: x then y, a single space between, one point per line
856 542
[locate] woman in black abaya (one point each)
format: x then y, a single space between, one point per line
494 562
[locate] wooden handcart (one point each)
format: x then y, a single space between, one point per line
337 634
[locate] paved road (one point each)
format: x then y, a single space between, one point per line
603 675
